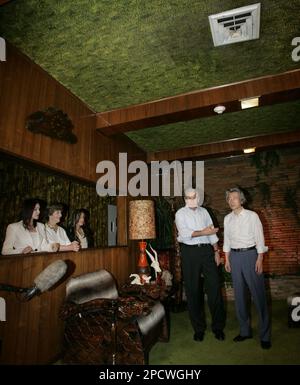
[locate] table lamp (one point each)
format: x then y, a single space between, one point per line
141 227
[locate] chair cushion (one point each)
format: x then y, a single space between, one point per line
86 287
146 323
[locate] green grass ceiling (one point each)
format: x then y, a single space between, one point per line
254 121
115 53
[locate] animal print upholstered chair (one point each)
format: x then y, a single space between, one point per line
104 327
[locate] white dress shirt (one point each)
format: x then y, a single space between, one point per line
243 230
17 238
188 220
58 236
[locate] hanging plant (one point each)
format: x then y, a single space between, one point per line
264 162
165 223
52 122
265 193
291 201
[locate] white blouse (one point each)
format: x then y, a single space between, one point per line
82 240
58 236
35 239
18 237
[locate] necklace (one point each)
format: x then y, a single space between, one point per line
53 227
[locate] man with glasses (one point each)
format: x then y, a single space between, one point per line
200 255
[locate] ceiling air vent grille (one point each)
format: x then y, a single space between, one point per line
240 24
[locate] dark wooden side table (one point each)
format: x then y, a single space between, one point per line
152 290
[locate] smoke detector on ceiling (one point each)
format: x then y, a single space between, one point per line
219 109
239 24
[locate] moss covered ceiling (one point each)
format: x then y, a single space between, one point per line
251 122
115 53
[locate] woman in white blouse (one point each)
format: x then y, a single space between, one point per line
28 235
55 233
79 230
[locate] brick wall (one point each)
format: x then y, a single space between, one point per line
281 226
279 287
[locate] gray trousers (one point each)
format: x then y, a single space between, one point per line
243 273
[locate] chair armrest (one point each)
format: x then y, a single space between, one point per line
125 307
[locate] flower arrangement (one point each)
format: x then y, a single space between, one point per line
52 122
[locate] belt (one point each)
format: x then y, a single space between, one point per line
244 249
198 245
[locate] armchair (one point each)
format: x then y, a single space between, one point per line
103 326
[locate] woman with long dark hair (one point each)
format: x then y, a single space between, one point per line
28 235
78 228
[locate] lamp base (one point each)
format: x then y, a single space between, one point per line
143 270
142 266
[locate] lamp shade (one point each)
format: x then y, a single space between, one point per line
141 219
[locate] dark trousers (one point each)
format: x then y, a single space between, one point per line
243 273
197 260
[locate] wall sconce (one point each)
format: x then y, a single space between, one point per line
249 103
249 150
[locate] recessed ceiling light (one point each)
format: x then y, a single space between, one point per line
219 109
249 103
249 150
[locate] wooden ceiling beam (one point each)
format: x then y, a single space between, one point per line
271 89
227 147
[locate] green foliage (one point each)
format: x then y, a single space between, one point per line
265 192
264 162
164 224
19 181
291 199
52 122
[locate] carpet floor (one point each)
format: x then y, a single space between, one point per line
182 349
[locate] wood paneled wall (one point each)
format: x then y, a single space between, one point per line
22 179
26 88
33 332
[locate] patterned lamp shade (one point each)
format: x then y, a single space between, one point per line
141 219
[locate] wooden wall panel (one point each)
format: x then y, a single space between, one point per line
33 331
26 88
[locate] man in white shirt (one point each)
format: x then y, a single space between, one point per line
244 246
200 255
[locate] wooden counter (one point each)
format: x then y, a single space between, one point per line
33 332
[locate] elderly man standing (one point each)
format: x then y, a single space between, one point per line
200 254
244 246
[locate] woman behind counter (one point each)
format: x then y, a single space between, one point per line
78 229
28 235
55 233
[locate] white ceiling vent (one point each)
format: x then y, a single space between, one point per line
239 24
